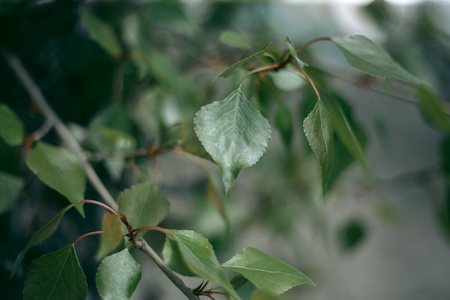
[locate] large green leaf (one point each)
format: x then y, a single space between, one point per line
45 232
11 128
319 133
345 132
366 56
194 256
432 109
118 276
112 235
228 71
60 169
56 275
10 187
234 134
266 272
284 124
143 204
102 33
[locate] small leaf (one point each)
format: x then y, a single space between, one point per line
260 295
11 127
293 53
197 258
227 72
10 187
143 204
56 275
233 133
319 133
287 80
102 33
366 56
284 124
44 233
60 169
345 132
118 276
111 237
266 272
189 142
432 109
234 39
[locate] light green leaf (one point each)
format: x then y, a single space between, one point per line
143 204
189 142
118 276
228 71
319 133
260 295
11 127
284 124
110 132
111 237
196 256
102 33
367 57
44 233
293 53
432 109
10 187
287 80
234 134
345 132
56 275
266 272
60 169
234 39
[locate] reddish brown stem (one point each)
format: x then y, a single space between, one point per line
257 70
100 204
157 228
87 234
311 42
310 81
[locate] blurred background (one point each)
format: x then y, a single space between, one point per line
141 69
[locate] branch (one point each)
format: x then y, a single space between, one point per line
66 136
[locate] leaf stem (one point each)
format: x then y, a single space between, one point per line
157 228
85 235
310 81
311 42
257 70
100 204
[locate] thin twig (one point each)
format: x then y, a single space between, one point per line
64 133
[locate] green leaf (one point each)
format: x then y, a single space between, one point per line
111 132
266 272
234 39
432 109
284 124
10 187
11 127
118 276
234 134
143 204
260 295
112 235
56 275
195 257
189 142
60 169
293 53
45 232
345 132
367 57
102 33
287 80
319 133
228 71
